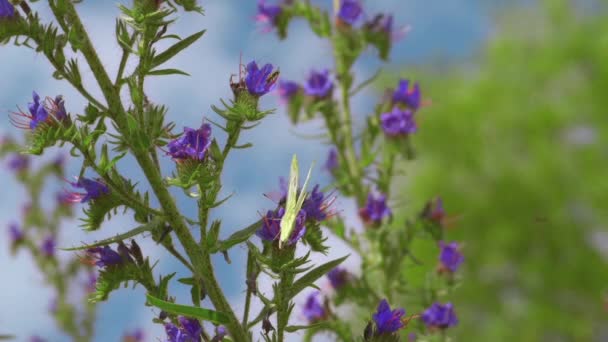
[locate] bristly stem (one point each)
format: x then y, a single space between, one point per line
203 268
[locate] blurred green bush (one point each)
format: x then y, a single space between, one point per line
517 146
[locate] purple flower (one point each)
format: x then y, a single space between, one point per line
6 9
450 256
313 309
350 11
135 336
332 159
411 337
193 144
48 246
34 338
18 162
316 205
398 122
287 89
220 333
260 81
190 330
375 209
105 256
387 321
338 277
318 84
440 316
15 233
93 190
39 113
409 96
268 14
271 226
434 211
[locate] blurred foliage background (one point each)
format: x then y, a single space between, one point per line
517 146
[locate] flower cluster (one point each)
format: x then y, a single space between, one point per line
450 256
188 330
267 15
313 309
40 113
192 145
93 189
440 316
6 9
271 226
387 321
375 210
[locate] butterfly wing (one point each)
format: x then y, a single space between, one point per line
289 218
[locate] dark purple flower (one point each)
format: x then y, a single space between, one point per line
39 113
316 205
407 94
313 309
450 256
105 256
93 190
338 277
220 333
6 9
18 162
271 226
440 316
135 336
350 11
268 14
388 321
190 330
375 209
193 144
332 159
192 327
434 211
319 84
260 81
48 246
34 338
15 233
287 89
398 122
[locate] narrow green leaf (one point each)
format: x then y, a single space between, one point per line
294 328
121 237
162 72
237 237
189 311
175 49
309 278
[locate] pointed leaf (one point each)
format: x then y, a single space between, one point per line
121 237
189 311
175 49
309 278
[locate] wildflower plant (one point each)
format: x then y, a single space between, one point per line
364 165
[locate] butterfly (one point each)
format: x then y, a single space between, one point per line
294 201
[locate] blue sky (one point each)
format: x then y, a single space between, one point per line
443 31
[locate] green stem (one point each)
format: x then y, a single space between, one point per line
123 60
203 268
250 274
283 297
